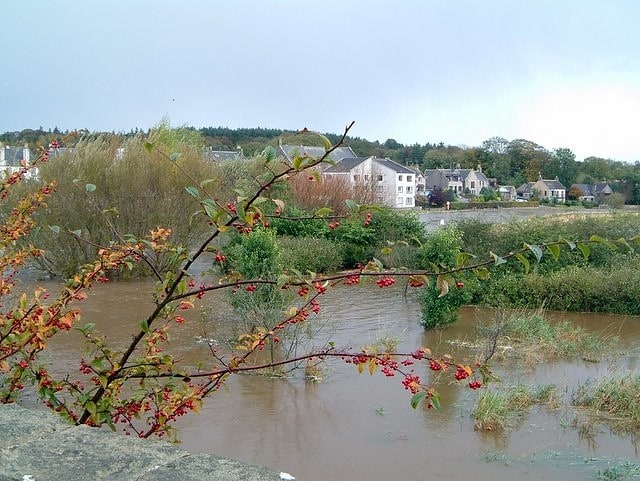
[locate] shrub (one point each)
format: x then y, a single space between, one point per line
310 254
114 201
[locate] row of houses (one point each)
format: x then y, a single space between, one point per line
391 183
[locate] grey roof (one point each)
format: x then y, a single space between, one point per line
554 184
337 154
393 165
220 155
345 165
593 190
525 188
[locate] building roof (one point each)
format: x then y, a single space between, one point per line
339 153
345 165
393 165
222 155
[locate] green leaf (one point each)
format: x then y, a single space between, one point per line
603 241
193 191
585 249
416 398
351 205
148 146
463 258
482 273
325 141
77 232
91 407
497 259
55 229
144 326
537 251
555 251
524 261
296 162
323 212
175 156
435 401
90 187
571 244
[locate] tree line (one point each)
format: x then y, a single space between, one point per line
510 162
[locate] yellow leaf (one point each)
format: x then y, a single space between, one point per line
360 367
372 366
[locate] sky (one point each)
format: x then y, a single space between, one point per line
561 73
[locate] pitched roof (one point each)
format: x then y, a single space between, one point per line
345 165
391 164
221 155
554 184
337 154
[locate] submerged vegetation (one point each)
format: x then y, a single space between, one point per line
496 410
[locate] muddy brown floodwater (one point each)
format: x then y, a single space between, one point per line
362 428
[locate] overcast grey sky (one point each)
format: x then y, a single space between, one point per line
562 73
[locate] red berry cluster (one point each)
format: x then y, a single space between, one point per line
459 285
435 365
352 280
220 257
303 291
461 373
411 382
475 384
320 288
231 207
385 281
367 219
333 225
250 288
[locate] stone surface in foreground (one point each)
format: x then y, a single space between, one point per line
38 446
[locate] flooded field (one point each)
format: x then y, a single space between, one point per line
361 427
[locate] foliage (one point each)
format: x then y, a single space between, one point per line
440 251
98 197
616 200
314 254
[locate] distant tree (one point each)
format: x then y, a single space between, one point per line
439 197
574 193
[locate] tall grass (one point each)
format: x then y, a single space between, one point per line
615 399
532 337
497 410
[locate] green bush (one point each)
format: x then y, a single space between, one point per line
310 254
440 251
135 191
582 289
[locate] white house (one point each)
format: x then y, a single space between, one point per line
393 184
12 159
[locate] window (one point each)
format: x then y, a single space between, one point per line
473 184
366 176
399 189
380 178
409 189
356 178
408 201
400 177
409 178
379 188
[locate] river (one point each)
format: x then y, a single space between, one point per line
361 427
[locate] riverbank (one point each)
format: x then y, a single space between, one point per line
38 446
